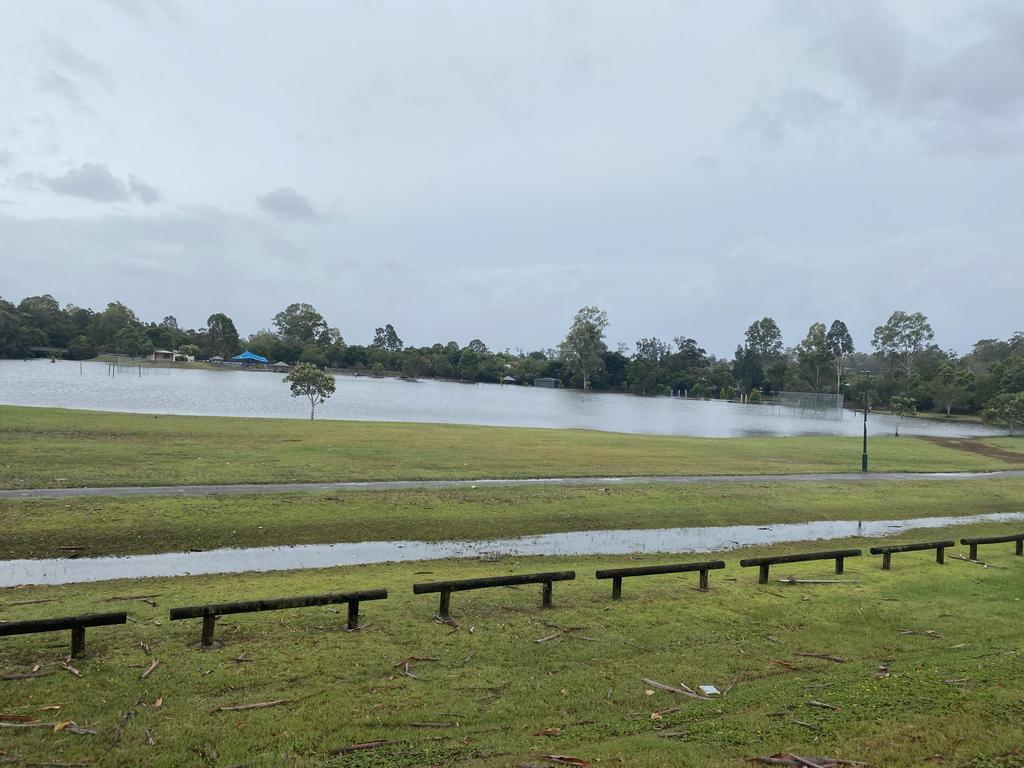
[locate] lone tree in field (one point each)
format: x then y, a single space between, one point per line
583 348
307 380
902 407
903 338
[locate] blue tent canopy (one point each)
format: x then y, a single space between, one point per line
249 357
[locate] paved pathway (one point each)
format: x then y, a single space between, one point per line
401 485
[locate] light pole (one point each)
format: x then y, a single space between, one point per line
864 455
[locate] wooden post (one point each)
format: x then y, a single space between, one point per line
209 622
887 560
762 576
77 642
353 614
546 599
704 580
940 555
974 551
446 601
1020 548
839 565
616 588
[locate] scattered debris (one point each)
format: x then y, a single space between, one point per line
548 732
67 666
956 681
683 691
149 738
243 658
433 725
145 648
882 672
72 727
33 602
792 580
710 690
673 735
811 726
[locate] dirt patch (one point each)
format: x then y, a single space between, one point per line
976 446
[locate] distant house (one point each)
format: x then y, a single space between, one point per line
216 360
508 380
546 381
171 356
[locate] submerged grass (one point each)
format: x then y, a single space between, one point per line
952 697
143 525
51 447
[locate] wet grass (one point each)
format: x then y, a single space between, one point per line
49 447
142 525
954 697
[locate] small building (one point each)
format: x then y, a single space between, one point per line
508 380
546 381
166 355
216 360
280 367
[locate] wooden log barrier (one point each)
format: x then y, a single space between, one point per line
209 613
1018 538
76 624
618 574
839 555
887 551
447 587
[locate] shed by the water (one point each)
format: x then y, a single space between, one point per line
546 381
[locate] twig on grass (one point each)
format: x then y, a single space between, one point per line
155 663
825 656
671 689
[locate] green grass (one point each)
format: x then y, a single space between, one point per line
46 447
498 687
112 526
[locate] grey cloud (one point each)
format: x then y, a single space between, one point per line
56 84
144 191
66 55
6 158
286 204
798 108
94 181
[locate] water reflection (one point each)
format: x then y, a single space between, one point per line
667 540
262 394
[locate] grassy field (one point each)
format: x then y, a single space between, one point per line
112 526
491 691
64 448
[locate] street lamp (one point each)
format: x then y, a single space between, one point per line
864 455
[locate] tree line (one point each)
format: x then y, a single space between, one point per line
904 368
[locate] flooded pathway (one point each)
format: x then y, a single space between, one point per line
670 541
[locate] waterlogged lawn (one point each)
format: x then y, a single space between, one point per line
49 447
141 525
950 692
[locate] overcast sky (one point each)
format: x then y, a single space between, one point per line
485 168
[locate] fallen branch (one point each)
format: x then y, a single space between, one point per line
822 705
257 705
363 745
791 580
926 633
671 689
786 758
566 760
155 663
69 668
826 656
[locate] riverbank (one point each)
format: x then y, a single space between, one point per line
511 683
53 447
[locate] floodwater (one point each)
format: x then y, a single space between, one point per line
659 540
262 394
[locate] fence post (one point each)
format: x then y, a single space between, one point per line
1020 548
353 614
762 575
209 622
616 588
546 600
940 555
974 551
703 580
887 560
77 642
839 565
446 600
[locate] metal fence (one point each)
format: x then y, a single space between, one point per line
812 405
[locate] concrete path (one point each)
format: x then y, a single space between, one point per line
403 485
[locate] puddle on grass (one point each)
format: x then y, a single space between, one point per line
624 542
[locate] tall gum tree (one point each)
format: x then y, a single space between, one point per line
583 348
